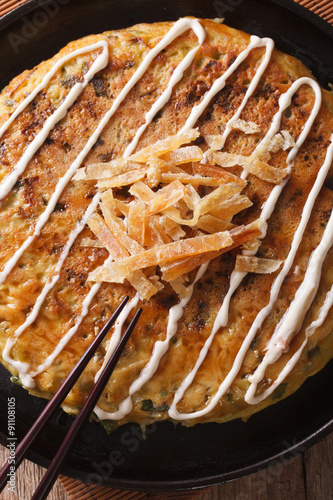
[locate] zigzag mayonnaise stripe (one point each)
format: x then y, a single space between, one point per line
100 63
176 312
24 367
290 365
262 315
292 320
284 102
180 27
160 348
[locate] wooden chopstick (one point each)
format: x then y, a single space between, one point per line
61 394
67 445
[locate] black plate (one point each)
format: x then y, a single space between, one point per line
171 458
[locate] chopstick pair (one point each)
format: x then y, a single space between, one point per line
67 445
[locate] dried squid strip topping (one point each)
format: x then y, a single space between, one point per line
227 209
136 222
172 229
217 172
122 180
252 264
90 243
155 234
165 145
183 155
165 198
211 224
251 164
137 279
164 226
97 171
179 287
240 235
208 203
246 127
118 271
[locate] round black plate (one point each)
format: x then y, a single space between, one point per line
171 457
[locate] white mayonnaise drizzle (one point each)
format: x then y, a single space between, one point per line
236 276
290 365
24 367
179 27
176 312
268 208
116 336
177 75
100 63
160 348
292 320
126 406
219 84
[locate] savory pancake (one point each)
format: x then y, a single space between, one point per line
189 166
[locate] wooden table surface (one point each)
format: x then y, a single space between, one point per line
308 476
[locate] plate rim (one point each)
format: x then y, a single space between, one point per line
291 5
214 480
306 13
187 484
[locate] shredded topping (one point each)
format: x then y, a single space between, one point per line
174 214
251 164
171 219
253 264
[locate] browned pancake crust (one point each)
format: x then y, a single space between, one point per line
31 194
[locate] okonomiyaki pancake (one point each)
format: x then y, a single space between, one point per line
189 166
